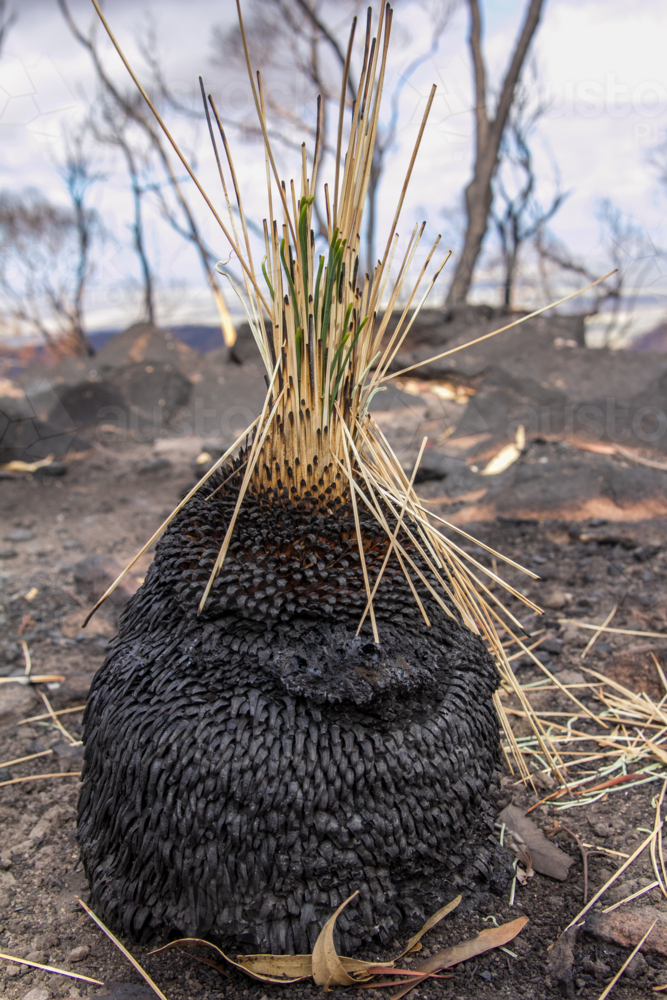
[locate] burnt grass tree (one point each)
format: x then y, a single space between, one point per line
300 700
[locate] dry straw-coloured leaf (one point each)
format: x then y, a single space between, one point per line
328 970
414 942
267 968
325 965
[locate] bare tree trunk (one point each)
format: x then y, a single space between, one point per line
509 278
191 232
138 236
488 136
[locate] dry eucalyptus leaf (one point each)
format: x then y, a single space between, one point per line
431 922
546 858
494 937
266 968
325 965
328 970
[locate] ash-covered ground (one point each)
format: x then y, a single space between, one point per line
583 504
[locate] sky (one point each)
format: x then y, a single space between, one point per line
601 72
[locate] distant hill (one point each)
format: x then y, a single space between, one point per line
201 338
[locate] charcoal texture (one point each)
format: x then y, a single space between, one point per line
248 768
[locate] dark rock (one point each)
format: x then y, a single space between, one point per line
29 439
552 646
95 574
598 968
626 927
8 553
78 954
85 405
156 465
146 387
244 351
436 465
645 552
637 967
52 469
69 756
560 962
144 344
75 688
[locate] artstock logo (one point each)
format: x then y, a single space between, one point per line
610 97
34 96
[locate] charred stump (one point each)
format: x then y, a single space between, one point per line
249 767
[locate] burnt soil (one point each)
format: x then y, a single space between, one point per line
589 518
107 504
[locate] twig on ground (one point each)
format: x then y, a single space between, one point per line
50 968
585 854
610 986
591 642
123 949
26 656
36 777
22 760
61 711
56 721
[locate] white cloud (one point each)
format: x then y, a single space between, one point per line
602 63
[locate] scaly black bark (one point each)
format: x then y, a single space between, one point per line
248 768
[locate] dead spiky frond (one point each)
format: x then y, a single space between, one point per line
321 329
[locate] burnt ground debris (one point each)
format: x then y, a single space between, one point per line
595 543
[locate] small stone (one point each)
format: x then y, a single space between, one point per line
637 967
20 535
556 599
13 970
570 677
599 969
78 954
626 927
39 993
8 553
16 700
156 465
72 543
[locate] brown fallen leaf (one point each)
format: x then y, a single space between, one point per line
546 858
493 937
328 970
325 965
413 944
266 968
